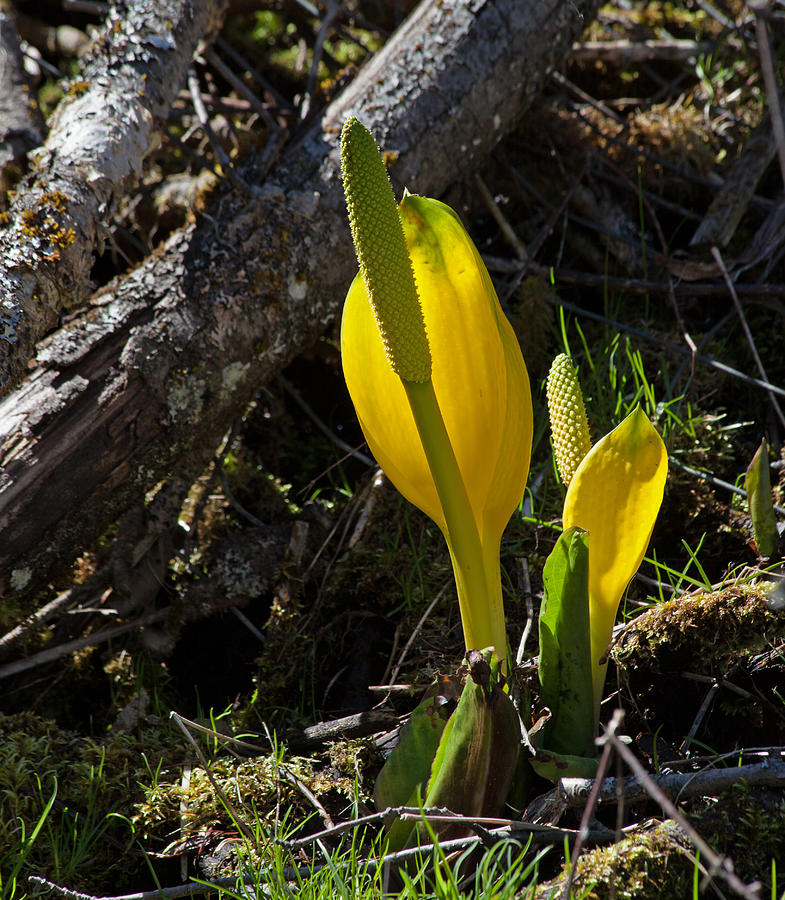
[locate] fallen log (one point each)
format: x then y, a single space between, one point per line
142 384
93 155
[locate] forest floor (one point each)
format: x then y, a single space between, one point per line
621 223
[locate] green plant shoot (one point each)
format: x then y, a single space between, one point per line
614 494
758 485
436 376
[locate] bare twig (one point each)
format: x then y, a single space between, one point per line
227 168
578 92
770 772
504 226
527 596
748 334
761 10
717 865
717 482
655 339
321 425
329 17
94 584
415 632
89 640
591 803
624 52
240 86
700 716
180 721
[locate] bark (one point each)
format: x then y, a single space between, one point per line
93 154
144 382
21 123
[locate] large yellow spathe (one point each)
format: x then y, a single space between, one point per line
615 495
482 388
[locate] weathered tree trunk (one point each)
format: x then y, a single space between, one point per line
21 123
143 383
98 138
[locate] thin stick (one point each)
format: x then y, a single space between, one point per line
239 821
718 865
89 640
591 804
40 616
769 79
415 632
748 334
527 596
227 167
717 482
329 17
768 773
240 86
504 226
700 716
655 339
290 389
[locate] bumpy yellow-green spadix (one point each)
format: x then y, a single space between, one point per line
569 427
615 495
456 444
381 253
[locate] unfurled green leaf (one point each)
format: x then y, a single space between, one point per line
565 656
758 484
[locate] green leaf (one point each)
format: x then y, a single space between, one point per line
475 763
476 759
409 765
561 765
565 659
758 484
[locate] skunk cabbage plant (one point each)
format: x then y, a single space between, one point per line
614 493
436 376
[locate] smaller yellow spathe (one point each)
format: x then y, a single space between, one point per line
615 495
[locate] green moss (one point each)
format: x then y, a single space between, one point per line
748 825
648 865
719 630
81 842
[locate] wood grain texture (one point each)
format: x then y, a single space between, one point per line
98 137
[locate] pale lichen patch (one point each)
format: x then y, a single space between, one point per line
20 578
298 287
232 375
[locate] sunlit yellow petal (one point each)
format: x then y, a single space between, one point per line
513 457
478 374
381 405
615 495
480 383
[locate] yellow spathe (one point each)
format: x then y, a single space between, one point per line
480 382
615 495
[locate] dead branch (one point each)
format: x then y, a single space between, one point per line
21 123
146 380
678 785
624 52
99 135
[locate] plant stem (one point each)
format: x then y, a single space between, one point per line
478 595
